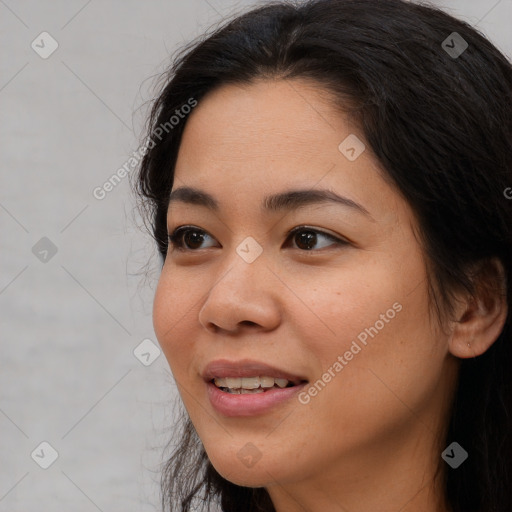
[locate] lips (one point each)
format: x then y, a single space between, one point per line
225 381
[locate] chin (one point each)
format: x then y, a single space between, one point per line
244 467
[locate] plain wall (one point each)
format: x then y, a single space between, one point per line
71 320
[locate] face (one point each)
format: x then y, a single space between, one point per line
331 294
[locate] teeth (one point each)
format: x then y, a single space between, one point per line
266 382
282 383
249 384
232 382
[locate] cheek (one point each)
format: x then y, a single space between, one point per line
370 336
330 309
382 363
173 307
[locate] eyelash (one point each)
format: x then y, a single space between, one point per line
176 237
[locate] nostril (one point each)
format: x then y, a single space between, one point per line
248 323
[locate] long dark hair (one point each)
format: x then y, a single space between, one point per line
438 117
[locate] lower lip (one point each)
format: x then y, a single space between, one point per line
250 404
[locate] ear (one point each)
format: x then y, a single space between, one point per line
481 318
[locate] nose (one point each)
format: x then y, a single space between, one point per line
243 297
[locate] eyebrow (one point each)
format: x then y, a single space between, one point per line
288 200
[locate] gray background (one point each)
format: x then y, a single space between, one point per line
71 321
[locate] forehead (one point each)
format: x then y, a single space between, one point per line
265 118
245 141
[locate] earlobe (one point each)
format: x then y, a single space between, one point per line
481 321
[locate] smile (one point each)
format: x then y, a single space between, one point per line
250 385
247 387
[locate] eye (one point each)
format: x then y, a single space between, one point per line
306 238
188 238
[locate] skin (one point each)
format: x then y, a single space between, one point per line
370 439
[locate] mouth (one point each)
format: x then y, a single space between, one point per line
251 385
248 388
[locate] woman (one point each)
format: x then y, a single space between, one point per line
326 183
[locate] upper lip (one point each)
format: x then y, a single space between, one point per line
246 368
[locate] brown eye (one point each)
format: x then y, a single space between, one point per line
193 239
188 238
307 238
